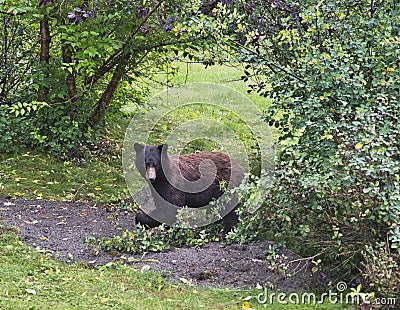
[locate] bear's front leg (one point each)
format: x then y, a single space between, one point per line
230 221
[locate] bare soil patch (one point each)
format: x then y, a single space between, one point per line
62 227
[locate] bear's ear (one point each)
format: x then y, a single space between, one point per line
163 148
138 147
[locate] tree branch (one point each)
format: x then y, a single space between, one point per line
12 13
269 64
105 100
115 57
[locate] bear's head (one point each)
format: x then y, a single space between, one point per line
148 160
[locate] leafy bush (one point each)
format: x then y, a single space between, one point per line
43 128
77 61
333 79
136 241
143 239
382 270
8 136
60 131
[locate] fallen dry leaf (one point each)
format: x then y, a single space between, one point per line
32 222
31 291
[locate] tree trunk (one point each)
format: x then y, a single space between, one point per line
44 53
105 100
70 81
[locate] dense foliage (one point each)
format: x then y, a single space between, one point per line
331 69
64 60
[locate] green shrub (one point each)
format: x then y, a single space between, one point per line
382 269
333 79
8 136
158 239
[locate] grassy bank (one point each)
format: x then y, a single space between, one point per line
32 280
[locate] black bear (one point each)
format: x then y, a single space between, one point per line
191 180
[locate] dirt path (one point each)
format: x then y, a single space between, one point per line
61 228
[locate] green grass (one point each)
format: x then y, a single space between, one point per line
218 74
32 280
43 283
40 176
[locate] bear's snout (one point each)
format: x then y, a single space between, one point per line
151 174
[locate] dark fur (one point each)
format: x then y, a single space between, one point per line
148 157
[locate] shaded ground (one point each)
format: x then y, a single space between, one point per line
61 228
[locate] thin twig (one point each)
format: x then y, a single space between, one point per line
269 63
